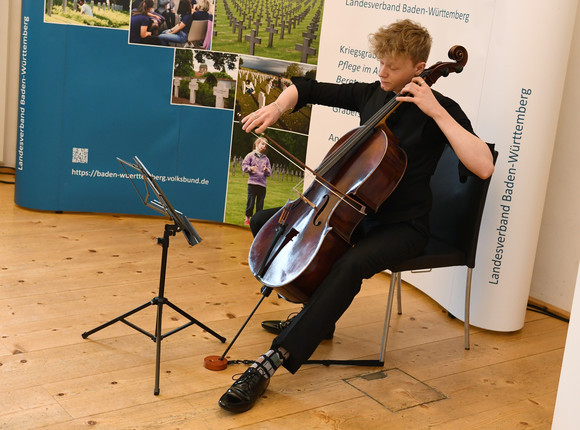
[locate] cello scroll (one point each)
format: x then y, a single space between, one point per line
456 53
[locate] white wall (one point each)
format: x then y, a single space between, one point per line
10 56
3 68
558 250
565 413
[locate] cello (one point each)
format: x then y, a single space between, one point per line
297 247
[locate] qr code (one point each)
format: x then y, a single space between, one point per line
80 155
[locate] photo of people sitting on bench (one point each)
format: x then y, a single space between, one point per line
172 23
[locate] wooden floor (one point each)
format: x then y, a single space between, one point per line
64 274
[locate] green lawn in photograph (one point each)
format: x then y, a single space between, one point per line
278 191
226 39
101 16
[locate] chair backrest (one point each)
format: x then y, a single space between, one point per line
197 31
458 203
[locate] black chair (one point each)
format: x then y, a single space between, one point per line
458 202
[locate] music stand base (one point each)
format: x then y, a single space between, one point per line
158 301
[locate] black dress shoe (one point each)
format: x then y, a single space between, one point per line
243 393
276 326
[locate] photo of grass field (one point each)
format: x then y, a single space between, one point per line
280 185
105 13
283 29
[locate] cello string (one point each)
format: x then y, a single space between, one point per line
301 165
361 133
383 113
280 152
340 196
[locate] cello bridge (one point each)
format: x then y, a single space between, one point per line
305 200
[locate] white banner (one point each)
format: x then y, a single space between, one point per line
511 89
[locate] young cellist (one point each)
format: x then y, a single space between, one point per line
399 229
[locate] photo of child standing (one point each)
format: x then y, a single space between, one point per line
257 165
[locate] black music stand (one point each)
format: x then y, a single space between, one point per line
180 223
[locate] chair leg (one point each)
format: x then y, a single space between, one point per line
392 287
467 307
399 300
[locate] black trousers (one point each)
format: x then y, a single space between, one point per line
256 196
377 247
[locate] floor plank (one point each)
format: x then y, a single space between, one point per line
62 275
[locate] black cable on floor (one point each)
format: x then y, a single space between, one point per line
6 170
544 311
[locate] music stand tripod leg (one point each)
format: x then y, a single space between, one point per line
158 301
158 339
192 321
121 318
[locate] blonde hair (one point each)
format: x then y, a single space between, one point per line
404 38
203 5
258 140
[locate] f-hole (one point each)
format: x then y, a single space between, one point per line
316 221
